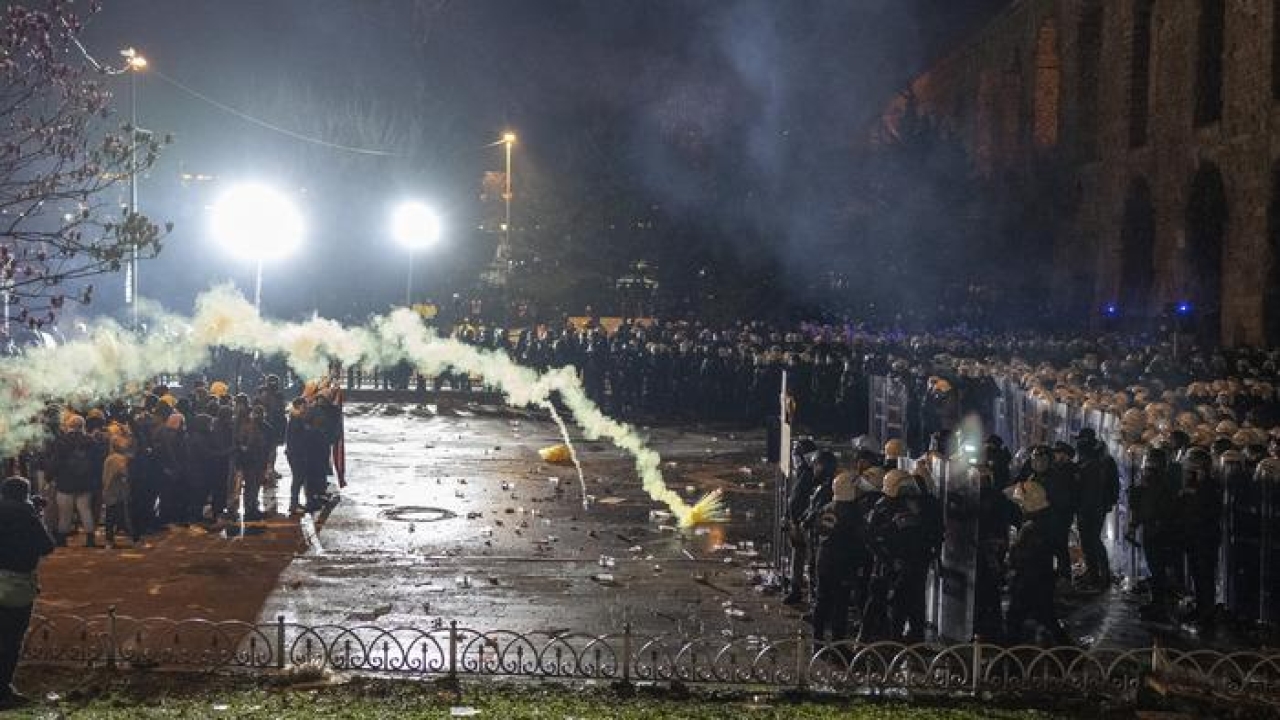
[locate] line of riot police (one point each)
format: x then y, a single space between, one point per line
867 536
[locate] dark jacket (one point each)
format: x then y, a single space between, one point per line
1099 483
75 463
1154 503
801 490
305 444
1031 573
171 450
1200 513
202 454
23 537
899 534
1061 485
996 515
252 438
842 544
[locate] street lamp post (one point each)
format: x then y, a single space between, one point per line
504 251
135 63
257 223
414 226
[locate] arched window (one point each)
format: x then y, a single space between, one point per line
1140 72
1089 57
1137 250
1048 87
1210 46
1207 217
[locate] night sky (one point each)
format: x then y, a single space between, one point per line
737 114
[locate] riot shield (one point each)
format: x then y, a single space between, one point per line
958 566
1240 569
1122 547
1268 475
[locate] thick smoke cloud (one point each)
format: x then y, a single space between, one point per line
109 361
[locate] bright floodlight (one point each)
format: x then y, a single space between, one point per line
415 226
255 222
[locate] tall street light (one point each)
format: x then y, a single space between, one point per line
258 223
134 63
504 251
414 226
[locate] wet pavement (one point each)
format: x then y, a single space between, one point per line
451 514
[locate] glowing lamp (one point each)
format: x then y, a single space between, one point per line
415 226
255 222
1183 308
1110 310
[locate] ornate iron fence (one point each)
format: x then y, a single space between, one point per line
451 649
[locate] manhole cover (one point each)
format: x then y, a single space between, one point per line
417 514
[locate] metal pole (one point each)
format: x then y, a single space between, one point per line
131 279
280 637
506 234
408 285
257 290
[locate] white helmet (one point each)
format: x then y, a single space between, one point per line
895 480
844 488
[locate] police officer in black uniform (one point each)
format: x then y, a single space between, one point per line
1200 515
1098 491
1031 568
799 490
842 551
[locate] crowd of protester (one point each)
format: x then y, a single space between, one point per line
180 456
864 528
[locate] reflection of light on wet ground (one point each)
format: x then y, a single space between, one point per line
524 538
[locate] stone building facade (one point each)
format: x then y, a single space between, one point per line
1164 118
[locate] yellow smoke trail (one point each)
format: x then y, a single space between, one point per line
573 452
108 359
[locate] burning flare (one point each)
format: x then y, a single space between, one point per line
710 509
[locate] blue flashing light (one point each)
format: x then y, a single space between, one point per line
1183 308
1110 310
